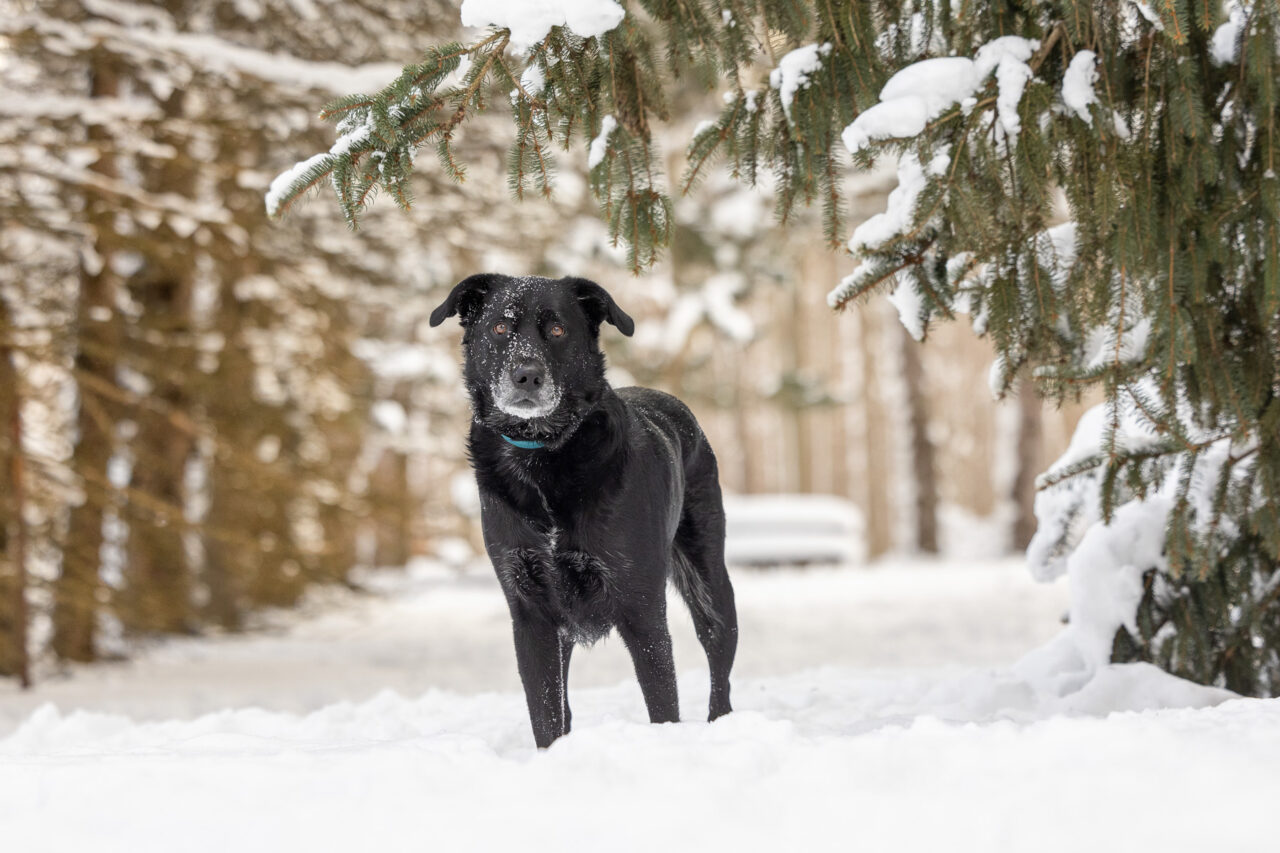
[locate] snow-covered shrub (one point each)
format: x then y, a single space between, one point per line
1211 619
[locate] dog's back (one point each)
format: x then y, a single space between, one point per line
699 533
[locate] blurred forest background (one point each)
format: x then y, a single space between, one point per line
204 412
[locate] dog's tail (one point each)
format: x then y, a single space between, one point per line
693 588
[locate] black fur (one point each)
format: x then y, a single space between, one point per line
585 531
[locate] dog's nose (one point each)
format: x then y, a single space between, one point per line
528 375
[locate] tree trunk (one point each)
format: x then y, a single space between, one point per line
879 523
799 416
389 495
1030 435
344 437
13 526
76 590
158 576
158 583
923 471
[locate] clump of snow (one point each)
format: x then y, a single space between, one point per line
1101 346
906 298
1077 85
792 73
1151 15
350 134
531 20
600 145
897 218
1012 75
900 208
924 90
910 99
1225 47
1056 251
1066 510
996 376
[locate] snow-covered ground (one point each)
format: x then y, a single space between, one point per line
876 709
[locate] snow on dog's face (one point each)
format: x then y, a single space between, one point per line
533 361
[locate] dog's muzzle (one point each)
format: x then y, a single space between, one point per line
526 391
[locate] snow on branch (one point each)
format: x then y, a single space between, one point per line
794 70
878 234
925 90
529 22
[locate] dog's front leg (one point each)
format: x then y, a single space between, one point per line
541 655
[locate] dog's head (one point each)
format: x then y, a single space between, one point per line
533 361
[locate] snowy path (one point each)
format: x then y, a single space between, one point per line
876 710
433 631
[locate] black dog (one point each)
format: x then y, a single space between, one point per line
590 498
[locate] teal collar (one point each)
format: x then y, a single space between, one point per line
523 445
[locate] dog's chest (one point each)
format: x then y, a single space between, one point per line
574 588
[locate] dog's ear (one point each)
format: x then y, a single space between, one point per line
599 306
465 299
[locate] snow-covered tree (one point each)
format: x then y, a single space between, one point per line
196 411
1149 128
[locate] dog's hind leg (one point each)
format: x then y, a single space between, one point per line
703 581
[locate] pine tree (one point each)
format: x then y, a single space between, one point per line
199 407
1152 125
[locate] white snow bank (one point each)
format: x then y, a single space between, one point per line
1104 576
823 760
925 90
832 758
787 529
531 20
427 627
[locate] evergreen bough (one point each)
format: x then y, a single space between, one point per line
1153 127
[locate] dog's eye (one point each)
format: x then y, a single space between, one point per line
499 328
556 330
